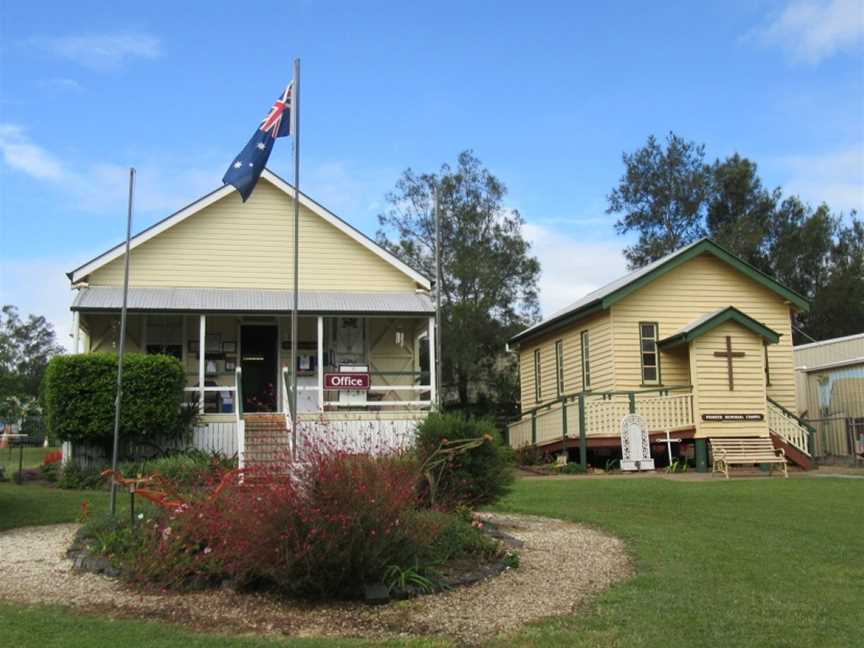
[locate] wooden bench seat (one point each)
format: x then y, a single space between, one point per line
746 451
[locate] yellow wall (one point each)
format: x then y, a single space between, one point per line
698 287
600 356
711 394
232 245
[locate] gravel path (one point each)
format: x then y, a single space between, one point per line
562 565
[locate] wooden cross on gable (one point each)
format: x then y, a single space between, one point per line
729 354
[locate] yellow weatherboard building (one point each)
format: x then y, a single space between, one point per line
699 343
211 285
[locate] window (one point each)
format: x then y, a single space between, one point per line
586 362
164 334
559 366
650 357
538 394
767 369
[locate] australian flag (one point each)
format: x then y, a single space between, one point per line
247 167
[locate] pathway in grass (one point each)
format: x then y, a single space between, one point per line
738 563
562 565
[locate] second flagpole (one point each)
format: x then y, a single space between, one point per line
295 116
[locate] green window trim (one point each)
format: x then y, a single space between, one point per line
646 368
585 350
559 367
538 392
767 367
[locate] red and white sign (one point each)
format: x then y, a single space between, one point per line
351 381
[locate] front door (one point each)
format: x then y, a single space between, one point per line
259 349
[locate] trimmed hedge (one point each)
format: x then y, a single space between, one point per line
80 390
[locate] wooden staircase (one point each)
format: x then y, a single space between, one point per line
268 440
792 434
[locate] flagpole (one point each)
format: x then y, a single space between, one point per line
122 347
437 367
295 115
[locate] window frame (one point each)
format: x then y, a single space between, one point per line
585 351
538 376
658 380
767 366
559 367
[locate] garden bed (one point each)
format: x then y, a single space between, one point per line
562 566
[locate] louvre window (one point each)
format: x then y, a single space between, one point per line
559 366
586 360
538 394
650 356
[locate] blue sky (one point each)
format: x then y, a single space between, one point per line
547 94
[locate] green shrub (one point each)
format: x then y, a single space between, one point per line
74 477
80 392
529 455
190 468
573 468
479 476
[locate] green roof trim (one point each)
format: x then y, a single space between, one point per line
709 246
711 321
614 292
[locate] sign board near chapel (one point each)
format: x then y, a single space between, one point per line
351 381
733 418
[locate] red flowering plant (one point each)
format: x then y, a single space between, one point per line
53 457
324 526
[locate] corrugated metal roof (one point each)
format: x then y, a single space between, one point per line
607 290
249 300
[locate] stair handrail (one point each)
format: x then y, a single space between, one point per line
798 419
286 401
811 431
238 417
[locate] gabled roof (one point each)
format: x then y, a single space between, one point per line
603 298
711 321
193 208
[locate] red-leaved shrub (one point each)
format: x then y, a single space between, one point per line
53 457
321 527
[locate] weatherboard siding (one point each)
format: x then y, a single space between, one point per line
234 245
599 331
712 394
700 286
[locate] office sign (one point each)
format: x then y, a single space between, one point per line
350 381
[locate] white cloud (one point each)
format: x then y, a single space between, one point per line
20 153
60 84
162 185
102 51
811 31
571 268
836 178
39 286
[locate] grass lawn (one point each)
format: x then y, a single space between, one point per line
54 627
739 563
32 457
29 504
733 563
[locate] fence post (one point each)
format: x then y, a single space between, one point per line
534 428
701 455
632 398
583 439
